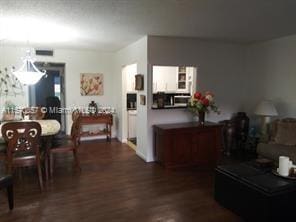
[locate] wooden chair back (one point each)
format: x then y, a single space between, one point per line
75 114
34 113
75 131
69 144
21 137
22 140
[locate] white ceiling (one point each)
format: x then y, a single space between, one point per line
109 25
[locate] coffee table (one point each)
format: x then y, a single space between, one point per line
255 194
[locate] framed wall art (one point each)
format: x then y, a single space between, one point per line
139 82
143 100
91 84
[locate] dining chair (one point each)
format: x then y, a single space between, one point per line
2 150
34 113
23 143
66 145
6 182
75 114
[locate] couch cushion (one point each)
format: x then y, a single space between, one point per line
273 151
286 133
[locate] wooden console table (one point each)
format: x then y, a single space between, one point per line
187 144
106 119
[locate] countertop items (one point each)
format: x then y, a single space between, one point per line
163 100
131 101
176 106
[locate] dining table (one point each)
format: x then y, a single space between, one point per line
49 128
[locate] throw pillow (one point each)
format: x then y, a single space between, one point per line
286 133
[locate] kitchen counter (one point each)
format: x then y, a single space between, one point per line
170 107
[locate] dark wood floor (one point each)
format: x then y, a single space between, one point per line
115 185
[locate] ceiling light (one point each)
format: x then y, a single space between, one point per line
28 73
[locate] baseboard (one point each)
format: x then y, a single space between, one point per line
141 155
148 160
89 138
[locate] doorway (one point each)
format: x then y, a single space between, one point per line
50 91
129 108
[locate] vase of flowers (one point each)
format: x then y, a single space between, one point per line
199 104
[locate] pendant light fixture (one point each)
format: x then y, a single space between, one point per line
28 73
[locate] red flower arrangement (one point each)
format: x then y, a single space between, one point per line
202 103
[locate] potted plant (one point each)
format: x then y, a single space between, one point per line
9 111
199 104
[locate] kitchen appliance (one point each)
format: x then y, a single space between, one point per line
160 99
181 100
131 101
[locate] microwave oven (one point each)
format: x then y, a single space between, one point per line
181 100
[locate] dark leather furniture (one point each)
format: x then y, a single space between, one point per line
255 194
6 183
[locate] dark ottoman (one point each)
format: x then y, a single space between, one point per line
255 194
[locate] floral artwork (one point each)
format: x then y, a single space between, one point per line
91 84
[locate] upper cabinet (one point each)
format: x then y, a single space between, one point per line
164 79
182 79
173 79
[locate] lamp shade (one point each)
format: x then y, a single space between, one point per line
266 108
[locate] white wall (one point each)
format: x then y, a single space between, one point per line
238 75
7 59
220 69
271 69
77 61
134 53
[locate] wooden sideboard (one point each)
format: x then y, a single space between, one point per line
106 119
187 144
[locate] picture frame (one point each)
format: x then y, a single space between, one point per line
91 84
143 100
139 82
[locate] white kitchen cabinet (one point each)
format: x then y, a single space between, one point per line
173 79
164 79
185 78
182 78
190 79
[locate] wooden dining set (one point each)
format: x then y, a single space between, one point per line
33 143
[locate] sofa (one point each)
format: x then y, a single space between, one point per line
282 140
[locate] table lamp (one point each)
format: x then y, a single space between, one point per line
266 110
